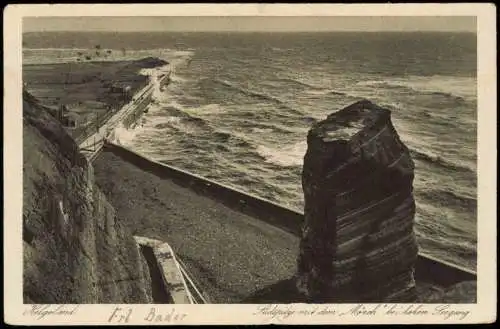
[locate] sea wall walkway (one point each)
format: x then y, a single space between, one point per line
91 146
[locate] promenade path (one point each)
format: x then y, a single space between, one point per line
92 144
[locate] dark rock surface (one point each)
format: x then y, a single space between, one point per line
463 292
75 250
358 243
151 62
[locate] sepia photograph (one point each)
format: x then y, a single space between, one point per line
251 159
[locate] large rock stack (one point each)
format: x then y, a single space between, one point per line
358 243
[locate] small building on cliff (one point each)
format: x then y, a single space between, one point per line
123 89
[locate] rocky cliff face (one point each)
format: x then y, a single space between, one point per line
358 243
75 249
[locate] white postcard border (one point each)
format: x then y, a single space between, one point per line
17 313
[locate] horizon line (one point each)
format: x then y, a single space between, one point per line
257 31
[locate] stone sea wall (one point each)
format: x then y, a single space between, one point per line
358 243
141 102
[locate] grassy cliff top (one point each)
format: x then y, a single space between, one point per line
85 83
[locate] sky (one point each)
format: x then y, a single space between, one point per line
252 23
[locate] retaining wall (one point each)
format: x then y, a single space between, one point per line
275 214
141 103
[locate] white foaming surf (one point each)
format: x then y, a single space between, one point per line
289 156
122 136
128 136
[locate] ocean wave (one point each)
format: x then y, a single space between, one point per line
195 132
323 92
451 228
448 198
439 160
262 130
207 109
221 136
174 78
121 135
173 117
195 121
278 49
317 90
454 119
167 122
411 90
259 126
258 95
456 250
287 156
458 89
303 83
339 93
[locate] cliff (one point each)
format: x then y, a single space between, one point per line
75 250
358 243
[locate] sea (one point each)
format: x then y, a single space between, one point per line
239 107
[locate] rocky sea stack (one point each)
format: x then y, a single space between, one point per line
358 242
